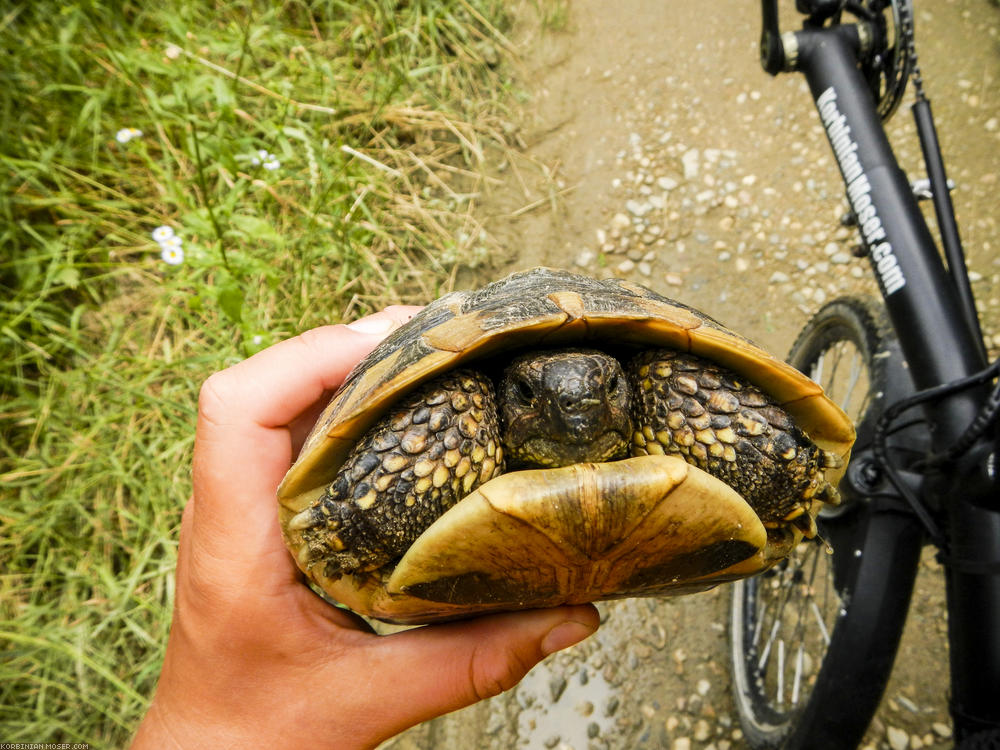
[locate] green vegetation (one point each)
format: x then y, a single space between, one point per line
316 159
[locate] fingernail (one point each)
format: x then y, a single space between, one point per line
565 635
373 324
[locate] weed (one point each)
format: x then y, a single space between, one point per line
183 185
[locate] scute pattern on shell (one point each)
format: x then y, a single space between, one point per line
438 446
687 407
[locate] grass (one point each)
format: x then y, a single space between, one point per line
381 115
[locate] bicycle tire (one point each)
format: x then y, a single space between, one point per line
840 664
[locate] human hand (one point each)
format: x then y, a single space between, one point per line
254 657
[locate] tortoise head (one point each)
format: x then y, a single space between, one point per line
564 407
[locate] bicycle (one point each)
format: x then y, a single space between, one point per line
912 370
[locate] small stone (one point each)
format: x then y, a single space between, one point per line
672 723
841 258
552 741
831 248
637 208
690 161
675 279
556 687
612 706
941 730
898 739
621 221
702 731
593 729
645 269
681 743
586 708
778 277
667 183
703 687
742 264
585 258
647 710
626 266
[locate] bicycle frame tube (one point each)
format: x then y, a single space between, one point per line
936 339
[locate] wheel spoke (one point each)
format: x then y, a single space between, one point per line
788 615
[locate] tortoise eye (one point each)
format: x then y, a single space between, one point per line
524 390
614 383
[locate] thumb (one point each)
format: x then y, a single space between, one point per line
441 668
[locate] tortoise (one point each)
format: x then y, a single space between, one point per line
553 438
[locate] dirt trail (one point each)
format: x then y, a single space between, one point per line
674 161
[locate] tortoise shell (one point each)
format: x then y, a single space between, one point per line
647 525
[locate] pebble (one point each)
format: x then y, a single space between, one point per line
675 279
681 743
898 739
702 731
585 258
779 277
626 266
941 730
667 183
690 162
637 208
556 687
841 258
621 221
703 687
612 705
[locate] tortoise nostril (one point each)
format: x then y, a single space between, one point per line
576 402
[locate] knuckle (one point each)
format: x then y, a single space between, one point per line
212 397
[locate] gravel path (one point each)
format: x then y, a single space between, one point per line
672 160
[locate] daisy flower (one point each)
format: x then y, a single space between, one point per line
172 255
172 243
162 234
127 134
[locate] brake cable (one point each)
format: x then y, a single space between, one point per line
988 415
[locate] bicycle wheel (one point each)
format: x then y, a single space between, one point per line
813 639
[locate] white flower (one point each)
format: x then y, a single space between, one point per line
127 134
172 256
257 340
161 234
172 243
266 159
